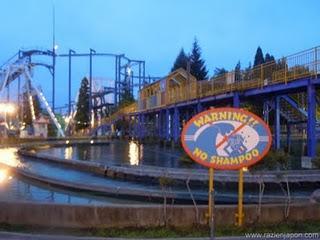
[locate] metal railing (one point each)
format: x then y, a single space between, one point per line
296 66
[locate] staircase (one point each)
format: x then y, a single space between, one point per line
293 107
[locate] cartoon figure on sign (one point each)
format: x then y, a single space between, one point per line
206 136
235 145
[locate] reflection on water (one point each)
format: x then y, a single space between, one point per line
135 153
122 152
68 152
5 176
9 157
12 188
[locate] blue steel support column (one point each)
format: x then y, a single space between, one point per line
160 124
176 125
141 118
277 123
311 122
187 115
236 100
288 137
167 123
199 107
146 131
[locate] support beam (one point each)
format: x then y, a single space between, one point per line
311 122
160 124
167 125
236 100
294 105
199 107
277 123
90 87
141 122
176 125
53 77
116 82
69 82
288 137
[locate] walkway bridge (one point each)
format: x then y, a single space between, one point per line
284 92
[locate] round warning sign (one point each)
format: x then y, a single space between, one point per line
226 138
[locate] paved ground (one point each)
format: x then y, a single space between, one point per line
22 236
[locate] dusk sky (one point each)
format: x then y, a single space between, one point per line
155 30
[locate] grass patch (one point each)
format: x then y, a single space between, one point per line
163 232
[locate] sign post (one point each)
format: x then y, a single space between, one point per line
211 202
240 214
226 139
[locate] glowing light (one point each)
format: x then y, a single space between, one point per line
3 175
91 141
245 169
7 108
134 153
56 47
129 71
9 157
68 153
67 142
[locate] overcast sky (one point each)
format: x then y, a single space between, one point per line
155 30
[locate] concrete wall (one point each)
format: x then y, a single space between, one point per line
120 216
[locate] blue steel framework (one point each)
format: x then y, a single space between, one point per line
169 119
137 79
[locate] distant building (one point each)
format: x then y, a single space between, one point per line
40 126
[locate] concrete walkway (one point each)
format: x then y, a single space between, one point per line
23 236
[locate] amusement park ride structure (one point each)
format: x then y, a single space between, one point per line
287 90
129 77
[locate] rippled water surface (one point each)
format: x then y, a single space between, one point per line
121 152
132 153
14 188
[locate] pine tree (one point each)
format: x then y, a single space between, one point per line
219 71
258 58
26 109
82 117
126 98
197 65
269 58
237 72
181 61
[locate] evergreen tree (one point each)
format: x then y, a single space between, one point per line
258 58
181 61
197 65
269 58
247 72
82 118
219 71
237 72
126 98
26 109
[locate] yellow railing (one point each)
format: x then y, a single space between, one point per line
121 112
290 68
303 64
